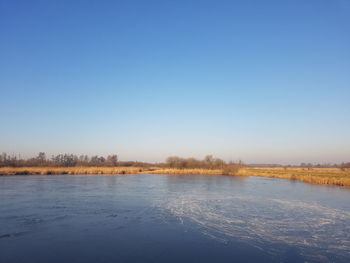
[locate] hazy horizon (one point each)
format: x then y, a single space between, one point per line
261 82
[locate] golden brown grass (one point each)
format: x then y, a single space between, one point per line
333 176
177 171
68 170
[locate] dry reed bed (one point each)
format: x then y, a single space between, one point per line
333 176
68 170
192 171
103 170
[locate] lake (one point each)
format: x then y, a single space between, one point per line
167 218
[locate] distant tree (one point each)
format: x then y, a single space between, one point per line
173 161
41 158
112 159
209 161
101 159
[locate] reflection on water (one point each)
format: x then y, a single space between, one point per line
157 218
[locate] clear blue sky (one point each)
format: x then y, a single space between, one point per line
261 81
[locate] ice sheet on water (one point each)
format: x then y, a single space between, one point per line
308 226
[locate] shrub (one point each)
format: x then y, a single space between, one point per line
230 169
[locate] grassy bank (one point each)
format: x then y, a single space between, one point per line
68 170
333 176
191 171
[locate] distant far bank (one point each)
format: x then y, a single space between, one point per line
336 174
332 176
73 160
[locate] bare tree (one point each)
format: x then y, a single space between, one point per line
112 159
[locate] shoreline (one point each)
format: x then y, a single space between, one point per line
331 176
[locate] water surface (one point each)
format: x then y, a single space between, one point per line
158 218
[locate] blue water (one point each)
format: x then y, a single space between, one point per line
160 218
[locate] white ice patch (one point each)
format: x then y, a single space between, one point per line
261 221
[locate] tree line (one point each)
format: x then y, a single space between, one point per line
71 160
325 165
65 160
209 162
